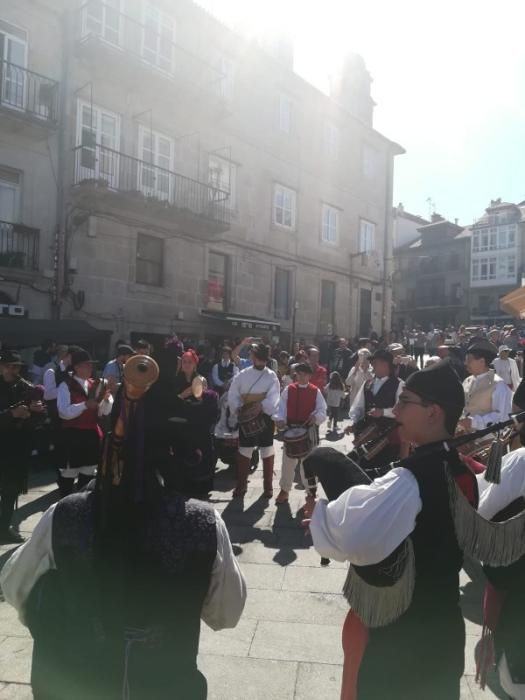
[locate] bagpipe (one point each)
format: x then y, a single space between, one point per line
337 472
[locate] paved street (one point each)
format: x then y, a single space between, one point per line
287 644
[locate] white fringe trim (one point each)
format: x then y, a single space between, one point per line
496 544
378 606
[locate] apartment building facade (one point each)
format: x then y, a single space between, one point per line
186 180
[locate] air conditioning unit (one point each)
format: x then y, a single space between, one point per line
16 310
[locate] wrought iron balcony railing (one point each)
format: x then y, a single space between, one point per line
18 246
151 40
118 172
30 94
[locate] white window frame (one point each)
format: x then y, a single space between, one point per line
285 114
475 242
222 175
15 186
102 33
148 7
330 217
98 171
154 191
9 72
289 203
367 234
225 81
332 140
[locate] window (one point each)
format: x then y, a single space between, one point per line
282 293
511 236
285 114
224 78
475 242
475 270
158 36
150 257
13 50
493 239
484 242
9 195
98 133
284 207
327 302
366 236
332 140
157 155
217 281
222 176
329 224
102 19
370 162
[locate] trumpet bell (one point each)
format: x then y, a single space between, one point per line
140 372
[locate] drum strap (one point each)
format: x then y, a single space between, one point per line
255 382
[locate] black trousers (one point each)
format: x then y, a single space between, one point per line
8 495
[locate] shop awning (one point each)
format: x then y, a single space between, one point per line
242 323
25 332
514 303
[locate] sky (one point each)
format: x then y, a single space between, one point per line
449 83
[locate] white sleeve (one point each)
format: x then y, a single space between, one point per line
320 408
226 595
49 380
366 523
350 377
66 409
515 374
495 497
501 407
271 400
357 409
280 414
30 561
235 370
105 406
234 394
389 412
215 379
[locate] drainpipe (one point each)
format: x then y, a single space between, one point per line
386 242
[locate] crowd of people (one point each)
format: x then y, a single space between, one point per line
136 443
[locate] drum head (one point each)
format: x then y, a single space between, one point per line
294 433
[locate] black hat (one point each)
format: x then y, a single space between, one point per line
80 356
438 384
483 348
125 350
261 351
10 357
303 367
384 355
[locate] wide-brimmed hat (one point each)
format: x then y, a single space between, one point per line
10 357
261 351
81 356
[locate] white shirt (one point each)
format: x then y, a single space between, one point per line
366 523
319 412
357 410
50 385
255 381
222 607
69 411
495 497
215 379
501 404
508 371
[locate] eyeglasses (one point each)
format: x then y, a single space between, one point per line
403 401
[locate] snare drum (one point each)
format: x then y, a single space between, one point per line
251 420
297 442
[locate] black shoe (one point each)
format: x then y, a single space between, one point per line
10 536
325 561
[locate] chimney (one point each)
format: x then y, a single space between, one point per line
350 87
436 218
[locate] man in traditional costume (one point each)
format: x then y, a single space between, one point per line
374 403
301 405
224 371
404 637
507 368
114 581
257 385
81 436
487 398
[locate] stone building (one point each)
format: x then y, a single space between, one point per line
168 175
431 277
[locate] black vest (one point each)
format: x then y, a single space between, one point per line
424 648
79 655
225 373
385 397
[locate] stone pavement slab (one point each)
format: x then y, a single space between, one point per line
249 679
297 641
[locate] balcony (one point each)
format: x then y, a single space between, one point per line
104 175
18 246
103 29
28 98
